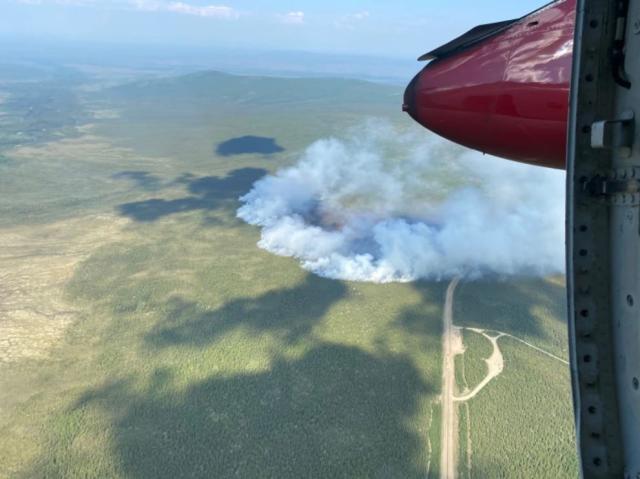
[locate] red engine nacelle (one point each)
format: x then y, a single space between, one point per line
502 88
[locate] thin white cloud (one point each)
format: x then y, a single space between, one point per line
292 18
210 11
350 21
146 5
360 15
183 8
67 3
216 11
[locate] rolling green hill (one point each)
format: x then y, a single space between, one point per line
222 89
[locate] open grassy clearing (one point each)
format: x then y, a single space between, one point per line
471 367
472 363
67 178
35 265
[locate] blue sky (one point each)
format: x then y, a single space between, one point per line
397 29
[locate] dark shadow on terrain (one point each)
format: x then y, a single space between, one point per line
248 145
207 193
141 179
507 305
335 412
415 320
291 313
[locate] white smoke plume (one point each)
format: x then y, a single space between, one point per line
389 205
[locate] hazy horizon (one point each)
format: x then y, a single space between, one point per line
354 27
176 60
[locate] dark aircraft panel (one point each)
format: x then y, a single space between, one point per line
472 37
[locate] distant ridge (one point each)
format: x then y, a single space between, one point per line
212 85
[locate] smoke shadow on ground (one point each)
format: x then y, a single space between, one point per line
141 179
336 411
290 313
524 307
419 320
249 144
207 193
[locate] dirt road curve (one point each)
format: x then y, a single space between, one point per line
452 345
448 460
495 365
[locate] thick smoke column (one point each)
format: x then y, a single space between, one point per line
388 205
